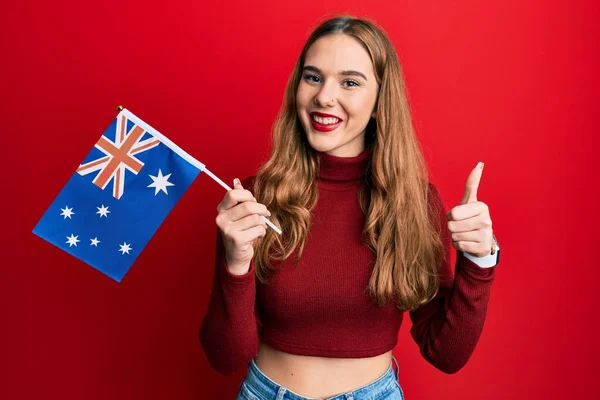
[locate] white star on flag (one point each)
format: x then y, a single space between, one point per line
72 240
160 182
125 247
103 211
95 242
67 212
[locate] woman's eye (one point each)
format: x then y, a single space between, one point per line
311 78
317 79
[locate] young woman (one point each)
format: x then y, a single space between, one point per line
315 312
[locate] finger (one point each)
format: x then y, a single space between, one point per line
256 219
469 224
247 208
243 238
237 184
238 231
249 221
251 234
469 210
470 193
233 197
477 236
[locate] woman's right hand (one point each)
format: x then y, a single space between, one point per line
240 222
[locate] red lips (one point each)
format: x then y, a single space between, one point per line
324 128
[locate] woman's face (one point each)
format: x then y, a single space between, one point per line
336 95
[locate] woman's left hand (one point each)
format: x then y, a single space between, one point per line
469 223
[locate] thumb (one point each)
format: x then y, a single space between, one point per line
470 194
238 185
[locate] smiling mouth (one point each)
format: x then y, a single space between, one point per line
325 121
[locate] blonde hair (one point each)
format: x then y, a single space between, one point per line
401 223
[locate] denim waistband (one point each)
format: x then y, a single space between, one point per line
256 381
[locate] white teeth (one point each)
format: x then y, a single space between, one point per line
326 121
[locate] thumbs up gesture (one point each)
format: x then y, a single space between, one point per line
469 223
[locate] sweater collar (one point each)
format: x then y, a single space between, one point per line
336 168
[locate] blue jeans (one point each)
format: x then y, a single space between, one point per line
257 386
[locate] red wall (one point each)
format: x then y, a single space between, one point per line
512 83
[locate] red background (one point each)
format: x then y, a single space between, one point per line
512 83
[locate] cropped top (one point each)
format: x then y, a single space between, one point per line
320 307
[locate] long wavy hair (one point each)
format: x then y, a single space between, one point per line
394 194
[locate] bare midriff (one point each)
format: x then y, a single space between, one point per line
320 377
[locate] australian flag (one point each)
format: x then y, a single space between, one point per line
119 196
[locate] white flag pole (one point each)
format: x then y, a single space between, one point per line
220 182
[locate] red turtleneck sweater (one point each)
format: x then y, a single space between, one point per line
320 308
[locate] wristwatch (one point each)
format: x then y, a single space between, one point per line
495 249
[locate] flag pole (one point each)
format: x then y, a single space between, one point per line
220 182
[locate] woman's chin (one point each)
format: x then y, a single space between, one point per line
320 145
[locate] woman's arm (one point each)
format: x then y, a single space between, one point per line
229 334
229 330
448 327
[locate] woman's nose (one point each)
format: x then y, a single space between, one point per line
326 97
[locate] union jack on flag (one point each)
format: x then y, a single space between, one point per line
118 156
119 196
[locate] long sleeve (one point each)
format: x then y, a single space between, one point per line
448 327
229 331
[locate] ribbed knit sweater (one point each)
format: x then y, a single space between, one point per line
320 307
